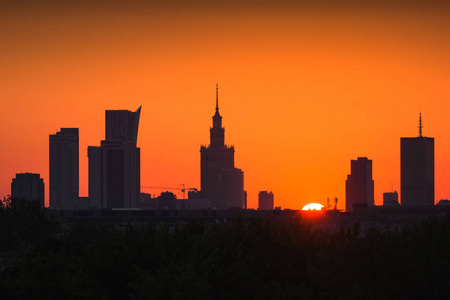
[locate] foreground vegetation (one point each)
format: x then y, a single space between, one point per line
252 260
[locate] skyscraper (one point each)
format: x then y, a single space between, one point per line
221 182
417 169
122 125
64 168
114 167
28 186
265 200
359 186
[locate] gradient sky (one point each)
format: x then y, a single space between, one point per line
303 87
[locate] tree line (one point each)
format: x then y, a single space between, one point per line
255 259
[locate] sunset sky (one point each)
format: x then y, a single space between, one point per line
303 88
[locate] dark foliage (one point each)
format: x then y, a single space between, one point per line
242 260
23 223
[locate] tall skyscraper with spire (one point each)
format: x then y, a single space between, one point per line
417 169
114 167
221 182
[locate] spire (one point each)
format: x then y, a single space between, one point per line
217 131
420 124
217 119
217 97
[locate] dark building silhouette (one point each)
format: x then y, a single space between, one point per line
122 125
443 202
114 167
64 168
417 169
221 182
390 199
28 186
265 200
167 200
245 199
359 186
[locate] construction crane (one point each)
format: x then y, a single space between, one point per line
183 189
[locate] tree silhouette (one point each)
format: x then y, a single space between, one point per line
257 258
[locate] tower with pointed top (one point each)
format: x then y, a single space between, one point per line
217 132
221 182
417 169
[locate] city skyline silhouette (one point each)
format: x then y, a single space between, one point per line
222 183
304 89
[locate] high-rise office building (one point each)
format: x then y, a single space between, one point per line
28 186
64 168
221 182
359 186
417 169
265 200
114 167
122 125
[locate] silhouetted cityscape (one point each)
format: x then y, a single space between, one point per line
117 217
114 173
316 168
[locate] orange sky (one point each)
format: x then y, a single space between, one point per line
303 89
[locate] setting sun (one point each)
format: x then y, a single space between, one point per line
303 89
313 206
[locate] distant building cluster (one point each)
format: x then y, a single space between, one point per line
115 182
416 182
114 171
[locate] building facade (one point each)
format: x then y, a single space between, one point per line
359 186
417 170
390 199
28 186
221 182
265 200
114 167
64 168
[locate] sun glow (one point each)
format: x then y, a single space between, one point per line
339 54
313 206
